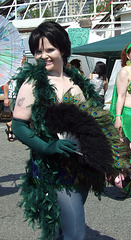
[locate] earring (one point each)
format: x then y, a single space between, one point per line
128 63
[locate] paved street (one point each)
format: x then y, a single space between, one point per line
108 219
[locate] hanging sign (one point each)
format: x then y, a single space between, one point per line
78 36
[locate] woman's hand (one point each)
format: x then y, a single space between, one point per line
61 146
118 125
6 102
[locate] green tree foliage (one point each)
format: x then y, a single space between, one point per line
47 13
100 7
34 13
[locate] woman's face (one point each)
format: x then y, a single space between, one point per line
51 55
129 56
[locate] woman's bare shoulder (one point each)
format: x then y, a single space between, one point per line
27 85
123 72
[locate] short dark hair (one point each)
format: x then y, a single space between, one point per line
56 35
76 63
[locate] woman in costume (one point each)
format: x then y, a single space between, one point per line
121 100
72 143
99 79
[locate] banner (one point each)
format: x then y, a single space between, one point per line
78 36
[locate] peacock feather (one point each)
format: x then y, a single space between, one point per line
120 150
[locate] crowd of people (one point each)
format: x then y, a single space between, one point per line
53 97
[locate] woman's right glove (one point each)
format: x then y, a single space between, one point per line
60 146
26 135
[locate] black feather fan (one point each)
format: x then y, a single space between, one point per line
68 118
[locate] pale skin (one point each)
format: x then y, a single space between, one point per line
124 98
6 99
7 104
62 83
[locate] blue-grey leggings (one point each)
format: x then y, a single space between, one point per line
72 214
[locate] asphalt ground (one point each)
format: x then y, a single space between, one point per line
108 219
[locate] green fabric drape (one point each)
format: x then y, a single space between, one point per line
113 102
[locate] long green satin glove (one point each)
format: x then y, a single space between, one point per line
26 135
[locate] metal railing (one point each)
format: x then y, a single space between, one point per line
12 9
64 11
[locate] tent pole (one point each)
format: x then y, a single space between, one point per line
88 64
109 65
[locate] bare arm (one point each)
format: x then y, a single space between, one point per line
105 85
6 99
122 83
21 128
24 101
90 76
